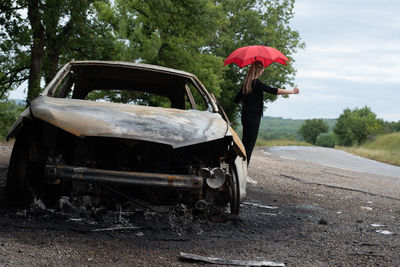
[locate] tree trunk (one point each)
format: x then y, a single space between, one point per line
37 52
53 59
52 12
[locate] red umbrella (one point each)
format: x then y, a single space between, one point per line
248 54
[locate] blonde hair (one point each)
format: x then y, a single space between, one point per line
255 71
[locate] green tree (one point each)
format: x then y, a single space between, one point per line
353 127
193 35
14 46
52 33
168 33
392 127
311 129
254 22
197 35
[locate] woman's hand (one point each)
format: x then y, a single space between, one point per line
287 92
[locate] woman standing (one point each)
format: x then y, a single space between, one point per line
251 97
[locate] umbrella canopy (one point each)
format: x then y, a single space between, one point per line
248 54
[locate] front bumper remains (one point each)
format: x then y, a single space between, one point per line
56 172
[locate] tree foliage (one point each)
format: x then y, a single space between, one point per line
168 33
14 46
9 111
325 140
355 126
51 33
392 127
311 129
193 35
254 22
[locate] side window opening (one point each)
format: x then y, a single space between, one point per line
65 88
197 97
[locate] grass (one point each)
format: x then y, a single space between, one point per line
262 142
385 148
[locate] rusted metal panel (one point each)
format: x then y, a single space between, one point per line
51 87
241 168
123 177
174 127
237 144
191 99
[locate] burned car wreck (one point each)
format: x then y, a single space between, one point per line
136 129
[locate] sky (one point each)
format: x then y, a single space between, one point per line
351 60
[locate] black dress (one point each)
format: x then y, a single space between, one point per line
252 111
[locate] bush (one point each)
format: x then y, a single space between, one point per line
311 129
325 140
354 127
392 127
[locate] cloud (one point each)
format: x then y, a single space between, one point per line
351 59
389 116
370 63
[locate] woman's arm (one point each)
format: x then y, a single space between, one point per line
273 90
287 92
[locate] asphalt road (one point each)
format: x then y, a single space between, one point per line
335 158
348 171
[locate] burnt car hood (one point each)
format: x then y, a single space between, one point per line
170 126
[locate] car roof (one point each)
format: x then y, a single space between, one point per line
155 69
132 65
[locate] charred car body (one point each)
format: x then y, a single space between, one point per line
75 137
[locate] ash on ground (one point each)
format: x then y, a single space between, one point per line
84 214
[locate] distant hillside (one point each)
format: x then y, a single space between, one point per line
277 128
19 102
